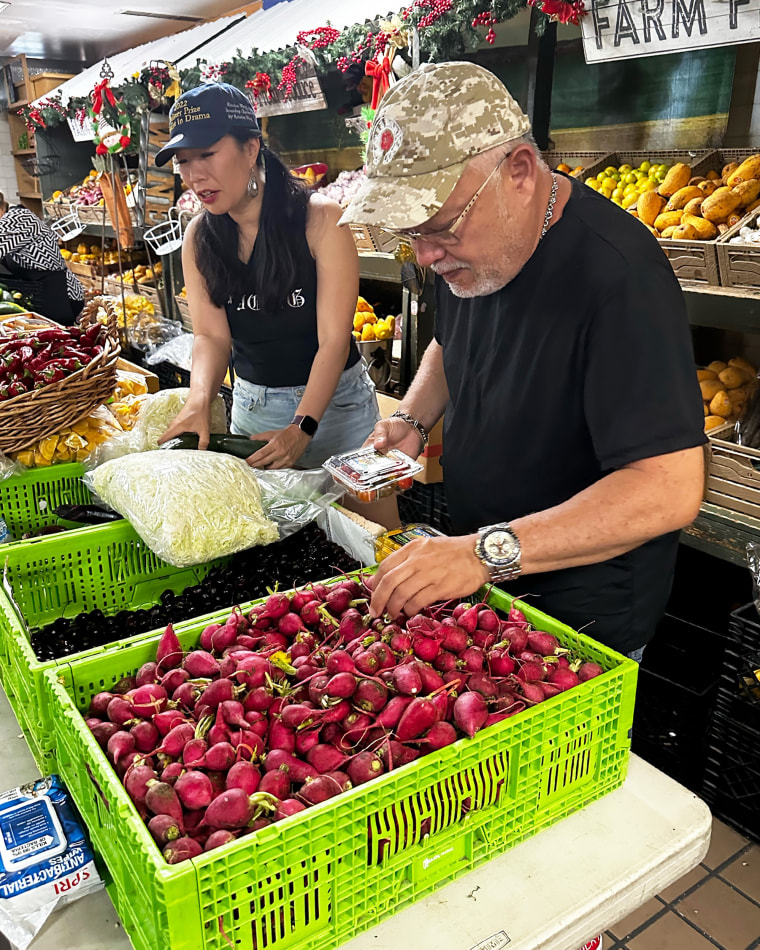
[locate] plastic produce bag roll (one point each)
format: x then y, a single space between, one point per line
189 507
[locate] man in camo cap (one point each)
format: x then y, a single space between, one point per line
573 432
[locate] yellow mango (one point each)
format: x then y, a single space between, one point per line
649 206
681 198
705 229
749 168
748 191
678 176
719 205
668 219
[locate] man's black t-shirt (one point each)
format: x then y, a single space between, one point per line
580 365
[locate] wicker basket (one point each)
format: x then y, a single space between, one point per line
32 416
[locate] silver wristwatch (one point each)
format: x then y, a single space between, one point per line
498 547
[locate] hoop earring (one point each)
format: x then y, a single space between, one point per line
252 188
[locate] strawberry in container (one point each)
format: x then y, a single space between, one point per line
368 474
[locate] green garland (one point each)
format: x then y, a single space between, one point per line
448 37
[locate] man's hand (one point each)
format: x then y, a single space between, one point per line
283 449
395 434
424 572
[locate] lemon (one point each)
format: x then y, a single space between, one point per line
625 168
608 186
647 185
610 170
593 183
645 166
619 193
630 199
663 169
618 202
630 189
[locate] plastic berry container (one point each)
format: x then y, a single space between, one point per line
369 475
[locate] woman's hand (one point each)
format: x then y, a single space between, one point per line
395 434
283 449
191 418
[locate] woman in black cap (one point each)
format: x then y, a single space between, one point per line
272 279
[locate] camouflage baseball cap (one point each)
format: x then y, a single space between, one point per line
428 126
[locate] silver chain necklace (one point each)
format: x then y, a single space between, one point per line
550 206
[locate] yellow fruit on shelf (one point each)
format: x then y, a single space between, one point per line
368 332
363 306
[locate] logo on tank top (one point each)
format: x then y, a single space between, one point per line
251 302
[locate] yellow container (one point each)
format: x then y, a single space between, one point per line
393 540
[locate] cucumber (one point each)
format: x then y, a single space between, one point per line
7 307
237 445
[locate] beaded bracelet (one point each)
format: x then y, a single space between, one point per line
414 423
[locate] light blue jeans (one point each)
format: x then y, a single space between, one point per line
346 423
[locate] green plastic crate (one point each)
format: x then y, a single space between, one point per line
107 567
313 881
27 500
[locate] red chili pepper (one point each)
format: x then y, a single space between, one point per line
26 353
53 334
91 335
49 374
16 389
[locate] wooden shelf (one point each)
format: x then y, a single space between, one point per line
30 194
24 151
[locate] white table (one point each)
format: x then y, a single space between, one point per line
552 892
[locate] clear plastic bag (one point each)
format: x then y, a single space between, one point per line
156 413
293 498
188 506
177 349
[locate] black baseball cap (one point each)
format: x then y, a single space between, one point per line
205 114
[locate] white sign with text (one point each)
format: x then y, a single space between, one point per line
623 29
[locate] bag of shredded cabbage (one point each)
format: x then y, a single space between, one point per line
188 506
156 413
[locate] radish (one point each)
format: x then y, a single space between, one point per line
439 735
225 636
563 678
103 731
588 671
125 684
298 651
400 641
310 614
338 600
174 678
193 753
298 715
233 713
119 745
468 620
291 806
218 691
454 638
208 632
186 694
182 850
431 680
516 616
442 700
364 767
324 758
483 640
334 710
172 772
357 720
488 621
483 684
366 662
161 799
516 635
473 659
219 757
543 643
470 713
276 783
338 661
280 737
532 693
227 666
200 664
243 775
500 662
276 606
407 680
136 782
148 673
164 829
231 810
531 672
300 599
290 624
297 770
169 651
425 647
99 704
220 731
247 745
331 733
445 662
120 710
317 688
550 689
384 654
371 695
390 716
417 718
342 685
130 760
324 786
218 838
306 739
194 790
397 754
258 700
149 700
145 735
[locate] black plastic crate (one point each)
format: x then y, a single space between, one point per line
171 376
732 776
738 698
743 641
425 504
675 699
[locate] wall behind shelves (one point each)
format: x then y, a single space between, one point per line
8 184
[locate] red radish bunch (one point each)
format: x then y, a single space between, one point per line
305 697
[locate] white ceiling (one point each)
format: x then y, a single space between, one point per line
86 30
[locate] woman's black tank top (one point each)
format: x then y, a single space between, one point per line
277 347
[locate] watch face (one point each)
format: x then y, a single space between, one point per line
500 547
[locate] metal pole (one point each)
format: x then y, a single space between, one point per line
541 51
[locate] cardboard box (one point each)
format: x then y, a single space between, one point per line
431 458
151 380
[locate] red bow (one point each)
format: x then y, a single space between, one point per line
379 71
100 90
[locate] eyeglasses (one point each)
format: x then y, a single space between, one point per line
448 235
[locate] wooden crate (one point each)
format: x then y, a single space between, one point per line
740 263
733 481
151 380
159 182
184 312
372 240
591 162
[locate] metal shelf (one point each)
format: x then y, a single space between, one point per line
725 308
380 267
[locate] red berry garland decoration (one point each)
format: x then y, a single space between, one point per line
289 77
319 37
486 18
260 84
561 11
358 55
437 9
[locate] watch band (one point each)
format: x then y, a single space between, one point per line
414 423
307 424
497 569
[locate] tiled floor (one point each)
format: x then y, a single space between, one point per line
714 907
